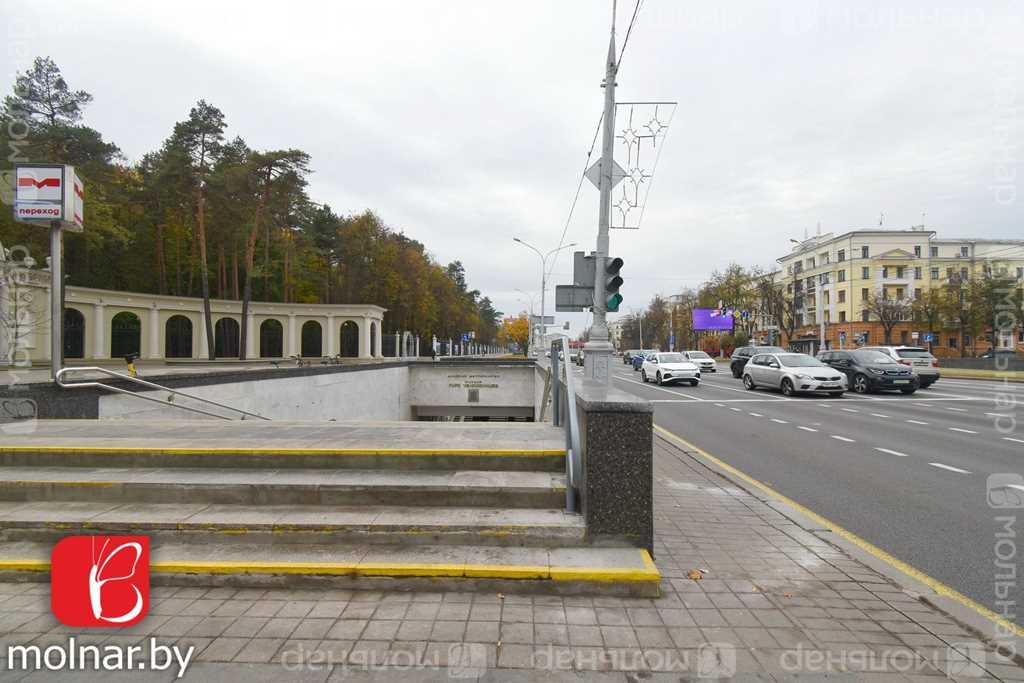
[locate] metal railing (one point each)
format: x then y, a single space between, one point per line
59 379
564 414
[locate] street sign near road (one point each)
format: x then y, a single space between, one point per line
45 194
929 337
573 298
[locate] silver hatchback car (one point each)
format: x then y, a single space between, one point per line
793 373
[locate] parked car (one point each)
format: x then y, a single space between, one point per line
920 362
665 368
793 373
743 354
703 360
579 357
869 371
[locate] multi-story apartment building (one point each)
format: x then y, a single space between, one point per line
831 278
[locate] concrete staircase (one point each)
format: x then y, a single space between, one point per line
406 505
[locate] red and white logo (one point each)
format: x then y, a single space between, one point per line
100 580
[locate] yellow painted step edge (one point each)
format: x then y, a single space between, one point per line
873 550
648 573
128 450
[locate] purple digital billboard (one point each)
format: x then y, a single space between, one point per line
712 319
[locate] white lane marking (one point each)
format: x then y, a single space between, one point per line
756 414
1010 438
825 405
878 415
849 410
843 438
736 409
965 431
742 391
657 388
916 422
806 429
781 422
959 410
890 452
720 405
949 467
998 414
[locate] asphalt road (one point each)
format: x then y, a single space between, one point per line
906 473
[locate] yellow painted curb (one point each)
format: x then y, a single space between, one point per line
130 450
873 550
648 573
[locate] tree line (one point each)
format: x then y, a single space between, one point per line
207 215
971 303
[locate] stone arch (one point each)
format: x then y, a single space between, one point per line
350 339
178 337
74 333
312 340
226 338
125 334
271 338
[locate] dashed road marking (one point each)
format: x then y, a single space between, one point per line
850 410
916 422
948 467
736 410
965 431
959 410
806 429
781 422
756 415
891 452
720 405
1010 438
878 415
843 438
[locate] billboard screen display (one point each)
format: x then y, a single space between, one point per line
712 319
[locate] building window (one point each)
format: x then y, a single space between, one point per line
1020 273
917 272
789 269
841 276
899 292
917 250
865 273
885 272
842 296
949 273
964 251
917 293
934 251
865 315
841 256
789 288
899 272
842 316
810 262
935 273
864 252
825 298
952 342
864 294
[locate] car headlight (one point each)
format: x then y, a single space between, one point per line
803 376
877 371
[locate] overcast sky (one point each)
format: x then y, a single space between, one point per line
464 123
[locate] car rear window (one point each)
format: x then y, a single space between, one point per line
913 353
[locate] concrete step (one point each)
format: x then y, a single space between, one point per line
405 459
560 570
289 524
285 487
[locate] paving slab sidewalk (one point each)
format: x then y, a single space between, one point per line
774 602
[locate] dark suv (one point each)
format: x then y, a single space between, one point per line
740 356
870 371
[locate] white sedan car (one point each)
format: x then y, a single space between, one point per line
665 368
706 362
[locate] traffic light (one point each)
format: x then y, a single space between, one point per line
612 283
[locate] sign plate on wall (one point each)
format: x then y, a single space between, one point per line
47 193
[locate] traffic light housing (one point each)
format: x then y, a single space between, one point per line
612 282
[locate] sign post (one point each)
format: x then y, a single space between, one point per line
51 195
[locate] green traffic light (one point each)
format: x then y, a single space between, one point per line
613 302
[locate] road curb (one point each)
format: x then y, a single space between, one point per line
982 626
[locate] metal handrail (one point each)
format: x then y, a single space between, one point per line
573 452
59 379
